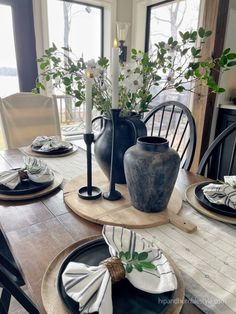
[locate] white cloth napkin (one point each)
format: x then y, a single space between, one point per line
222 194
36 170
91 285
49 143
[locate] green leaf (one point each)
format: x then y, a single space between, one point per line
129 268
40 85
134 51
186 36
226 51
223 60
43 65
138 267
142 256
201 32
193 36
121 254
195 65
194 51
220 90
147 265
170 40
185 51
66 81
231 56
127 255
135 255
180 89
231 63
208 33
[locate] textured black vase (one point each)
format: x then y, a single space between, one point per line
151 169
127 131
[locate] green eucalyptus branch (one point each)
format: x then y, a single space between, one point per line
174 64
136 261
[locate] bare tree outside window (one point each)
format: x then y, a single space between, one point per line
166 20
78 27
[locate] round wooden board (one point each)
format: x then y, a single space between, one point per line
28 151
116 213
52 301
190 195
56 183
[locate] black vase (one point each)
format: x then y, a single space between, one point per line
151 169
128 129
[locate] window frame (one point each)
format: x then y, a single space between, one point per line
25 48
101 15
148 21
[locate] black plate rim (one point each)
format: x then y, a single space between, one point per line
59 151
37 187
219 209
82 247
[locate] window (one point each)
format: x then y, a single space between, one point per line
9 83
164 20
78 26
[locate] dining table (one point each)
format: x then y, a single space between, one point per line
37 230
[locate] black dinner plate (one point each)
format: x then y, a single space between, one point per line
125 297
59 151
25 187
219 209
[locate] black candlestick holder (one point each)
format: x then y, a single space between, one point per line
113 194
89 192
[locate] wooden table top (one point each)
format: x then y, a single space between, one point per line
37 230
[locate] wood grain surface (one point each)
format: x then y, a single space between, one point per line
121 212
38 229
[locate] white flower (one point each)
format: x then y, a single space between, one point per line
91 64
139 56
134 82
128 69
95 69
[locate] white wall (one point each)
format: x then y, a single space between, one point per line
124 14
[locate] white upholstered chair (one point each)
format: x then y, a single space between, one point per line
25 116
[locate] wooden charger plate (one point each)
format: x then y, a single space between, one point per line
55 184
53 303
29 151
121 212
191 198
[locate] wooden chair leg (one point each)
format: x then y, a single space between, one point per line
17 292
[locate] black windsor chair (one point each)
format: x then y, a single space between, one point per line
214 163
11 280
173 121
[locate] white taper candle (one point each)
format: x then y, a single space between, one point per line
88 102
115 75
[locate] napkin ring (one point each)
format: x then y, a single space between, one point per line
115 268
22 174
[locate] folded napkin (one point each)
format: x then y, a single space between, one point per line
222 194
34 169
91 285
49 143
